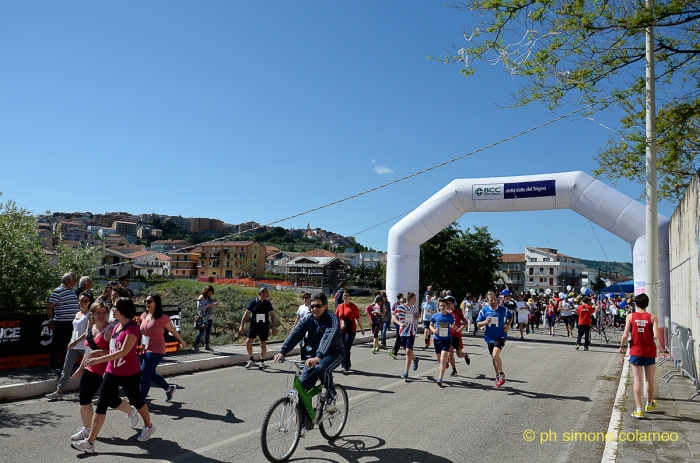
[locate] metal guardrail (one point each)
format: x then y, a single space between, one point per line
683 355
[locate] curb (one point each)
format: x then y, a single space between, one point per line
22 391
610 452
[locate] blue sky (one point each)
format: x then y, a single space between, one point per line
259 110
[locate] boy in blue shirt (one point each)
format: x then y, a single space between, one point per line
440 326
496 320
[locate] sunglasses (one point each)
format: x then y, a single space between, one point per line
148 301
316 306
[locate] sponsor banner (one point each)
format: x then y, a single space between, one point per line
25 339
488 191
529 189
514 190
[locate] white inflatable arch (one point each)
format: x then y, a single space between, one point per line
577 191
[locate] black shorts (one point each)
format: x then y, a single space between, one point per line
262 332
457 343
442 345
500 343
376 328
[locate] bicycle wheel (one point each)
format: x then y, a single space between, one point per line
332 424
280 431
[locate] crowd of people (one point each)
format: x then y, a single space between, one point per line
120 349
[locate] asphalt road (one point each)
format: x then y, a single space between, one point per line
216 415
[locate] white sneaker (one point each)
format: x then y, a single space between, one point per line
262 365
133 417
55 395
84 446
330 407
250 364
82 433
146 433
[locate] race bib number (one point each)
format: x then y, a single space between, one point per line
443 332
112 346
260 318
494 321
640 330
145 339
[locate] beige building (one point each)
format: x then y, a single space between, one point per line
548 269
232 259
511 270
183 263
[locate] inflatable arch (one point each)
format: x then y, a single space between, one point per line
577 191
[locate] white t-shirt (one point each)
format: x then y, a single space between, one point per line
565 309
303 310
522 308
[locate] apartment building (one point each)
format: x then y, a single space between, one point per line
124 228
231 259
167 245
546 268
511 270
203 225
183 263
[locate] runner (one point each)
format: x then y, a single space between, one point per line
261 312
122 370
405 317
523 315
644 329
375 312
551 313
496 320
397 340
428 309
440 326
585 318
566 312
456 331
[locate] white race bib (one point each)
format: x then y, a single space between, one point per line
144 340
260 318
112 345
443 332
494 321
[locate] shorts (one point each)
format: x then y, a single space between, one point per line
457 342
642 361
442 345
408 341
376 329
523 318
568 320
89 384
258 332
500 343
426 326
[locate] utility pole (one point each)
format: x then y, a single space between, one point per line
652 219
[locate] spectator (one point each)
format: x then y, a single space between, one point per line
61 311
338 298
85 286
124 282
205 309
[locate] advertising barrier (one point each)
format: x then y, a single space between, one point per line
25 337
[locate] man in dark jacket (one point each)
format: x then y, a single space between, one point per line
323 347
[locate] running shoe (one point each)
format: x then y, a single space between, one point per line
133 417
208 348
146 433
84 446
169 392
262 365
83 433
466 358
650 408
250 364
330 406
439 382
344 371
577 346
501 379
375 350
638 414
404 375
454 373
522 338
585 348
55 395
392 355
415 363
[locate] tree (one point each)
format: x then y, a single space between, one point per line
593 53
362 273
26 273
249 267
378 272
461 261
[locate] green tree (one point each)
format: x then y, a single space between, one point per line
362 273
378 272
460 260
27 274
593 53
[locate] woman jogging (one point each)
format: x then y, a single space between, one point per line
153 326
96 345
122 370
644 329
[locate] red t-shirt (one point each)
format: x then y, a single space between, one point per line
348 311
98 369
642 331
585 314
459 318
129 364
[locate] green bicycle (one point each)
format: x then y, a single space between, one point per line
281 428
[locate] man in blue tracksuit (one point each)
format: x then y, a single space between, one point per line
323 347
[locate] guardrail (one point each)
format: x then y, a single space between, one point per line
683 356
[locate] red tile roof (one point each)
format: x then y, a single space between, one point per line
318 253
513 258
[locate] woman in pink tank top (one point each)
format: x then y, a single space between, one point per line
644 330
123 370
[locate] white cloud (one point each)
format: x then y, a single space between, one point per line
383 170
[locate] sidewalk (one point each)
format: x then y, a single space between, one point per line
24 383
674 415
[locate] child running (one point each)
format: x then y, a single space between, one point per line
496 320
644 328
456 331
405 317
440 326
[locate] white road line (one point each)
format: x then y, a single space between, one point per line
610 453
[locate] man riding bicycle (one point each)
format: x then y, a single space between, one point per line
323 349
